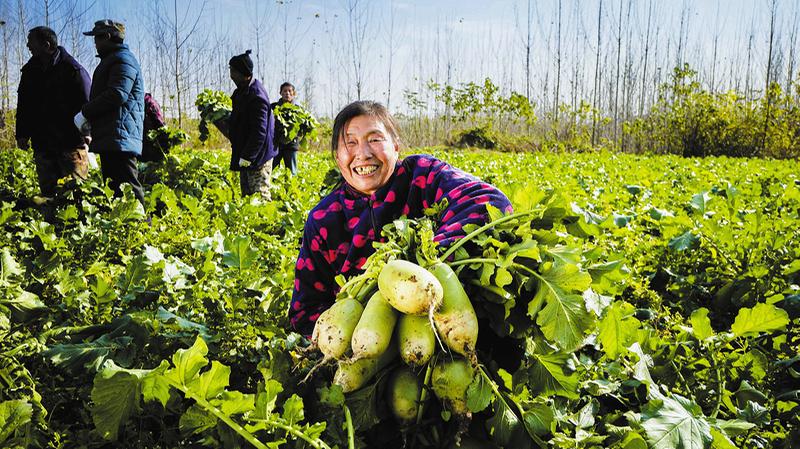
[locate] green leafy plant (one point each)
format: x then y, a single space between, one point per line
691 121
166 138
216 411
682 332
213 107
296 124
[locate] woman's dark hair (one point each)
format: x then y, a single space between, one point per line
44 34
287 84
369 108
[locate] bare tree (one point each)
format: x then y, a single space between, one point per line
262 22
4 93
182 25
617 72
792 46
527 42
646 54
596 94
627 77
357 21
309 81
558 64
390 55
747 86
292 29
767 94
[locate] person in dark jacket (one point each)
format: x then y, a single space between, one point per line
250 128
115 111
52 89
152 148
287 149
377 188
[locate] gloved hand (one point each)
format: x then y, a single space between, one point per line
82 124
244 163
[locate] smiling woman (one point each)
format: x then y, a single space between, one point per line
366 152
377 187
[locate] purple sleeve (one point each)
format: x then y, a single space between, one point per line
23 122
85 83
466 197
313 280
259 114
153 118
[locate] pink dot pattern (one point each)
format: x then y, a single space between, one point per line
341 229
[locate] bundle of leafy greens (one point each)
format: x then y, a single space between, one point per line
296 123
213 106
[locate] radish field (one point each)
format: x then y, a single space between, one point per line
661 311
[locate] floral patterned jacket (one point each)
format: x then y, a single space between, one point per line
340 230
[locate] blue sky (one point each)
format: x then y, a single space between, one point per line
446 40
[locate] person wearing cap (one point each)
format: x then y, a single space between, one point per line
115 111
53 87
250 129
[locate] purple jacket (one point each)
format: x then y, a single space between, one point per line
340 230
48 98
251 127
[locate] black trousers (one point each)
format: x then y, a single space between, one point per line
120 168
289 157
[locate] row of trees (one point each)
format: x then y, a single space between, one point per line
608 54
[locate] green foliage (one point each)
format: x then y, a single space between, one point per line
691 121
478 137
166 138
13 416
675 422
469 115
213 106
574 129
118 392
296 124
677 277
482 103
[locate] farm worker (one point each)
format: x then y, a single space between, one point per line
115 111
250 128
287 149
52 89
376 188
152 150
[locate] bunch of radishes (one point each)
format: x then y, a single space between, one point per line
412 308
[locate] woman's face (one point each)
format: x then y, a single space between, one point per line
367 154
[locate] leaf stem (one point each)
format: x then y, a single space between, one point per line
460 242
473 260
315 443
351 443
249 437
501 398
423 394
720 383
533 310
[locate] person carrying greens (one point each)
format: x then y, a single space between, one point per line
376 188
292 125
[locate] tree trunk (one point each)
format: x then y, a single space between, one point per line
646 54
767 91
528 55
616 74
177 71
595 101
558 65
